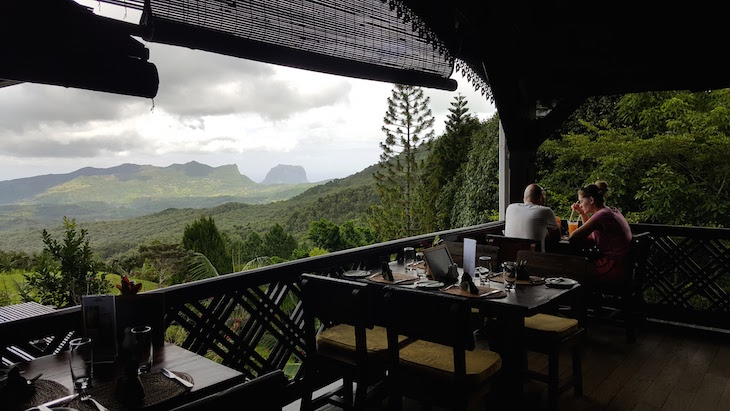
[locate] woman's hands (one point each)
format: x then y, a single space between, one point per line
578 208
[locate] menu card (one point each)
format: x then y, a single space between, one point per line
99 312
470 256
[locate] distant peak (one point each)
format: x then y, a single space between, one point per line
286 174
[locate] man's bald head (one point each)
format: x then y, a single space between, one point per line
534 194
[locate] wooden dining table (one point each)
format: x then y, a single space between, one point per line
208 376
509 315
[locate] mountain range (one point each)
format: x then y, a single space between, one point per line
131 190
338 200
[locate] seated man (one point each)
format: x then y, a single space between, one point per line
532 219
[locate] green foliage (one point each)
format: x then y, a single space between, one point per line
78 270
167 263
444 170
278 243
665 159
15 260
407 122
477 196
329 236
202 236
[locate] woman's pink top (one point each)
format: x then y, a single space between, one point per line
613 238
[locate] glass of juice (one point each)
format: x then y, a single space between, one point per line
572 226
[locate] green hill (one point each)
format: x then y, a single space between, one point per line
130 190
338 200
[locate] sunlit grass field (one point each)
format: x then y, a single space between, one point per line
9 289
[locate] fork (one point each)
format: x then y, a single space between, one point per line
87 397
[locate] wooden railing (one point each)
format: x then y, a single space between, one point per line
250 321
687 275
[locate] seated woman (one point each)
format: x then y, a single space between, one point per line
606 227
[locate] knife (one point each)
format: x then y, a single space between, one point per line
489 293
58 401
169 374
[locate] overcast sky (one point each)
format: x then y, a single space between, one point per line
210 108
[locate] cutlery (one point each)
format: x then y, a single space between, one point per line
87 397
58 401
169 374
489 293
449 287
402 280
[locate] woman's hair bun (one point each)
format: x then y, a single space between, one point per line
602 187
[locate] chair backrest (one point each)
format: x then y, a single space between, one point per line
638 257
556 265
438 318
336 300
509 246
262 393
456 249
442 318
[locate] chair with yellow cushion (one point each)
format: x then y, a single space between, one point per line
348 345
551 334
442 366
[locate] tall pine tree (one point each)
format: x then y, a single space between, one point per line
407 122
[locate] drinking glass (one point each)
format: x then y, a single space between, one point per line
508 269
142 348
81 362
572 226
420 268
484 262
409 259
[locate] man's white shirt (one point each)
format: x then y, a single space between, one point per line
528 220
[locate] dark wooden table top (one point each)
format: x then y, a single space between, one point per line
208 376
527 299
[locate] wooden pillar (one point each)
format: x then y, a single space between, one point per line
522 172
504 173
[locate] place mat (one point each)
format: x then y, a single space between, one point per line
45 390
456 290
157 388
534 280
398 278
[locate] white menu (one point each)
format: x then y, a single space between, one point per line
470 256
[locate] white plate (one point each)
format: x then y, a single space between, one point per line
429 284
560 282
357 274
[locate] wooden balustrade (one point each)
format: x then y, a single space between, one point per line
252 321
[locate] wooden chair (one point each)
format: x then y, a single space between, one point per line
442 366
509 246
261 393
615 302
551 334
348 344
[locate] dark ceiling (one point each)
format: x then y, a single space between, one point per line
557 53
535 56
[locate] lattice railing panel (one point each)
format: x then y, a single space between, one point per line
254 330
687 277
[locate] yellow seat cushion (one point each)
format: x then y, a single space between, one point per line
340 339
430 359
546 323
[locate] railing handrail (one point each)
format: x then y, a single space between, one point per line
202 288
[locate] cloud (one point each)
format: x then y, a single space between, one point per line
41 146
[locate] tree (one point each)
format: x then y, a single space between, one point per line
202 236
167 262
664 157
78 270
408 121
443 174
277 243
476 198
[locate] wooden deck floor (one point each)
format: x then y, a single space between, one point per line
663 370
